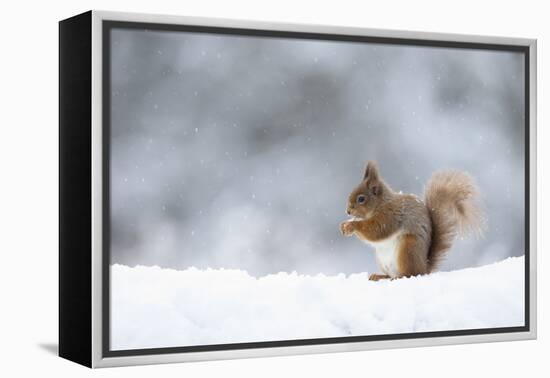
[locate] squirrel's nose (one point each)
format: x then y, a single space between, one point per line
347 211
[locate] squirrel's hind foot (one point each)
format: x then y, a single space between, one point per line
378 277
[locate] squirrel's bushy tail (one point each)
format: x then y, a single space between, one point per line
452 201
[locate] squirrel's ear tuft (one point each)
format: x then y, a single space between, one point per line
371 172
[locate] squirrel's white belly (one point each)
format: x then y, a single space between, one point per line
386 254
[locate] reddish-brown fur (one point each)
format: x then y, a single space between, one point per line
409 261
378 277
424 231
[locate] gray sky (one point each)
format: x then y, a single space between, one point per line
239 152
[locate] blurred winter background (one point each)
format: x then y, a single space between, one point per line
239 152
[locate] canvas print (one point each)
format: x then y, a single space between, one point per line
267 188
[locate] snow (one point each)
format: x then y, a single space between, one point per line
154 307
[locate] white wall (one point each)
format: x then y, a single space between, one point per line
28 201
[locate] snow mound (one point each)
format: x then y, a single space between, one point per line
153 307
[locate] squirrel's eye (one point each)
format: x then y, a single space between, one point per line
361 198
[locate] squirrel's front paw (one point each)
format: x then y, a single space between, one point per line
346 228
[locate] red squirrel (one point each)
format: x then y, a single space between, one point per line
411 236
